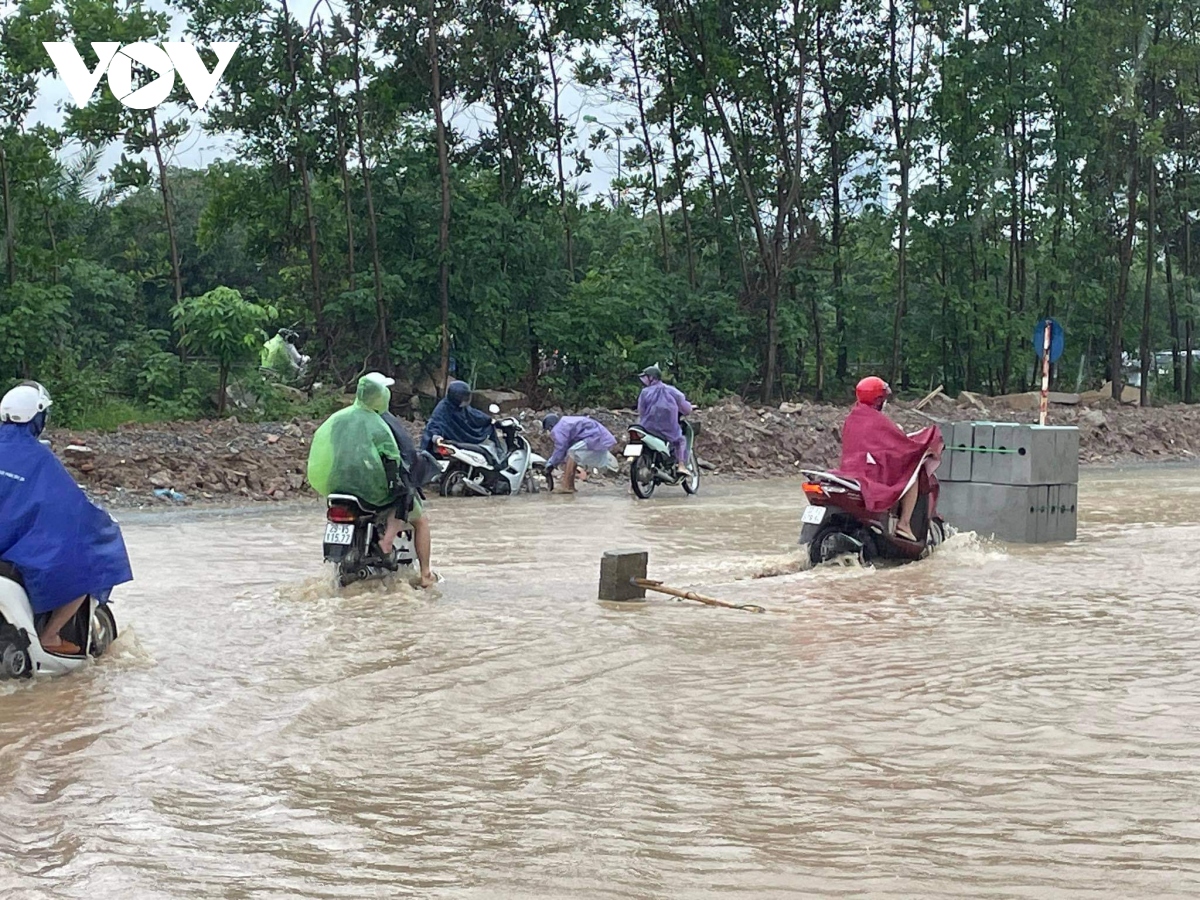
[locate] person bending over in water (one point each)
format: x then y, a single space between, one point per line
62 546
882 458
354 452
579 441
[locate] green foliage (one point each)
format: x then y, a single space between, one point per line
999 137
222 325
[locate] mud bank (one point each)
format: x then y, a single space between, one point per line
232 462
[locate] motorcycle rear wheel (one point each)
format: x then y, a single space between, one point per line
821 550
452 483
641 477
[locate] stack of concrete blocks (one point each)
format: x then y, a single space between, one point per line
1028 493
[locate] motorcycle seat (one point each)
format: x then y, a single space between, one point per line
848 483
9 571
655 434
347 499
487 452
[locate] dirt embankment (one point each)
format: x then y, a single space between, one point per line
233 462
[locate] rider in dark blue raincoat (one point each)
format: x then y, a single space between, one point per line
456 420
64 547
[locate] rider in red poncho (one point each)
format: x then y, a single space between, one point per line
886 462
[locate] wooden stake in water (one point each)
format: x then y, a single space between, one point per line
1045 402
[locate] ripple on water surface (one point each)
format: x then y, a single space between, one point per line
992 722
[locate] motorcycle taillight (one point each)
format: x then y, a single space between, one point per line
443 450
814 489
343 515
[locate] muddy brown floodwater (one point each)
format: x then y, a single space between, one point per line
993 722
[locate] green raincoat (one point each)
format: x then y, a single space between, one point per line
348 449
275 356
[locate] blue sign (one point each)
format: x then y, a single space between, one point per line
1056 339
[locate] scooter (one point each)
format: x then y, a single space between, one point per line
93 629
506 465
652 461
351 534
837 522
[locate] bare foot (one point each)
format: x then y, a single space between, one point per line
428 579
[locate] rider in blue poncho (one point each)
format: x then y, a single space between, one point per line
63 547
456 420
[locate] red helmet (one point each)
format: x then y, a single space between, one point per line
872 391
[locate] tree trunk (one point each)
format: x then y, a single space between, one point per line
833 127
168 214
1146 352
680 185
298 158
1117 317
383 345
222 386
903 149
641 105
548 45
1173 321
10 227
444 173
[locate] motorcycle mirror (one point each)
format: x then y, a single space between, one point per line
494 409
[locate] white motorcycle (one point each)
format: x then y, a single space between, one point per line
504 465
21 655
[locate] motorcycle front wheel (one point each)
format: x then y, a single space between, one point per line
691 484
641 476
104 631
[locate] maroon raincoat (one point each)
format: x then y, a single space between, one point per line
882 458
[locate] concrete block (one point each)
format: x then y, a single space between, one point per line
1004 438
617 567
1068 514
1046 454
1068 453
1044 496
983 459
1008 512
959 445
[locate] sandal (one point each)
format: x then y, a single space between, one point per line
63 648
906 535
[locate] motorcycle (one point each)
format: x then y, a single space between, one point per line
93 628
837 522
652 461
505 465
352 530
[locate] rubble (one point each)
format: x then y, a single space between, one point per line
228 461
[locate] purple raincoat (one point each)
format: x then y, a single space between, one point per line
570 430
659 409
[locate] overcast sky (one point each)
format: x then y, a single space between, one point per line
200 149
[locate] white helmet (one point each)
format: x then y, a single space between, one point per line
24 402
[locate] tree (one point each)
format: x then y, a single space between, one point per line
224 326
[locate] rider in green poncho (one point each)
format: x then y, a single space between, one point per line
354 452
280 355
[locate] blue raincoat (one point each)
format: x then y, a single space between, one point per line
455 422
62 544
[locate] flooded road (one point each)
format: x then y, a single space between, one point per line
993 722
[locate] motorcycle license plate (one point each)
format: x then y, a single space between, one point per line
339 534
813 515
633 450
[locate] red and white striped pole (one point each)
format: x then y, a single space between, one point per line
1045 376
